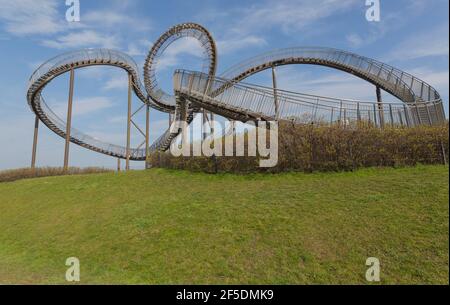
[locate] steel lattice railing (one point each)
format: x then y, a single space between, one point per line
244 101
229 96
79 59
403 85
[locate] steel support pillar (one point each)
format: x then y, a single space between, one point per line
204 120
408 123
127 165
69 120
211 122
391 115
147 135
35 140
380 107
207 119
183 120
358 113
275 94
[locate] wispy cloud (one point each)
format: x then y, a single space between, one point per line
117 82
23 17
139 48
86 38
391 22
113 19
171 57
249 26
84 106
291 16
331 84
432 42
374 31
233 45
45 20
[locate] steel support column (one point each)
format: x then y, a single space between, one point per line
147 135
204 120
380 107
358 113
69 120
391 115
35 140
211 122
275 94
405 109
429 116
419 119
128 153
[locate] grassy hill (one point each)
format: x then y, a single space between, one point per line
167 227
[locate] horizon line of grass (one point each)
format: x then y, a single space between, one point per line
11 175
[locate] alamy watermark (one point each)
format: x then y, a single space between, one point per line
373 272
73 272
373 13
260 139
73 12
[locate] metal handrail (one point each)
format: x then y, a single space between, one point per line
240 98
229 96
78 59
317 54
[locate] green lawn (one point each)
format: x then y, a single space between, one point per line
168 227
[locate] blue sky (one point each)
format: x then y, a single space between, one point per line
412 35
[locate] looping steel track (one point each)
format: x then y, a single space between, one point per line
193 30
228 96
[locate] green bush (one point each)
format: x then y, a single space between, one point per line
311 148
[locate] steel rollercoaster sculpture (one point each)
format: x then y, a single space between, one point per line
227 95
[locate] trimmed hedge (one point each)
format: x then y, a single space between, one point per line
310 148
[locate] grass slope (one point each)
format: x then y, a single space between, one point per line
167 227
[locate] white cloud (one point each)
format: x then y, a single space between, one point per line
114 19
86 38
391 21
355 40
140 48
191 47
117 82
83 106
331 84
232 45
374 31
432 42
373 35
135 50
45 18
23 17
188 46
247 26
291 16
